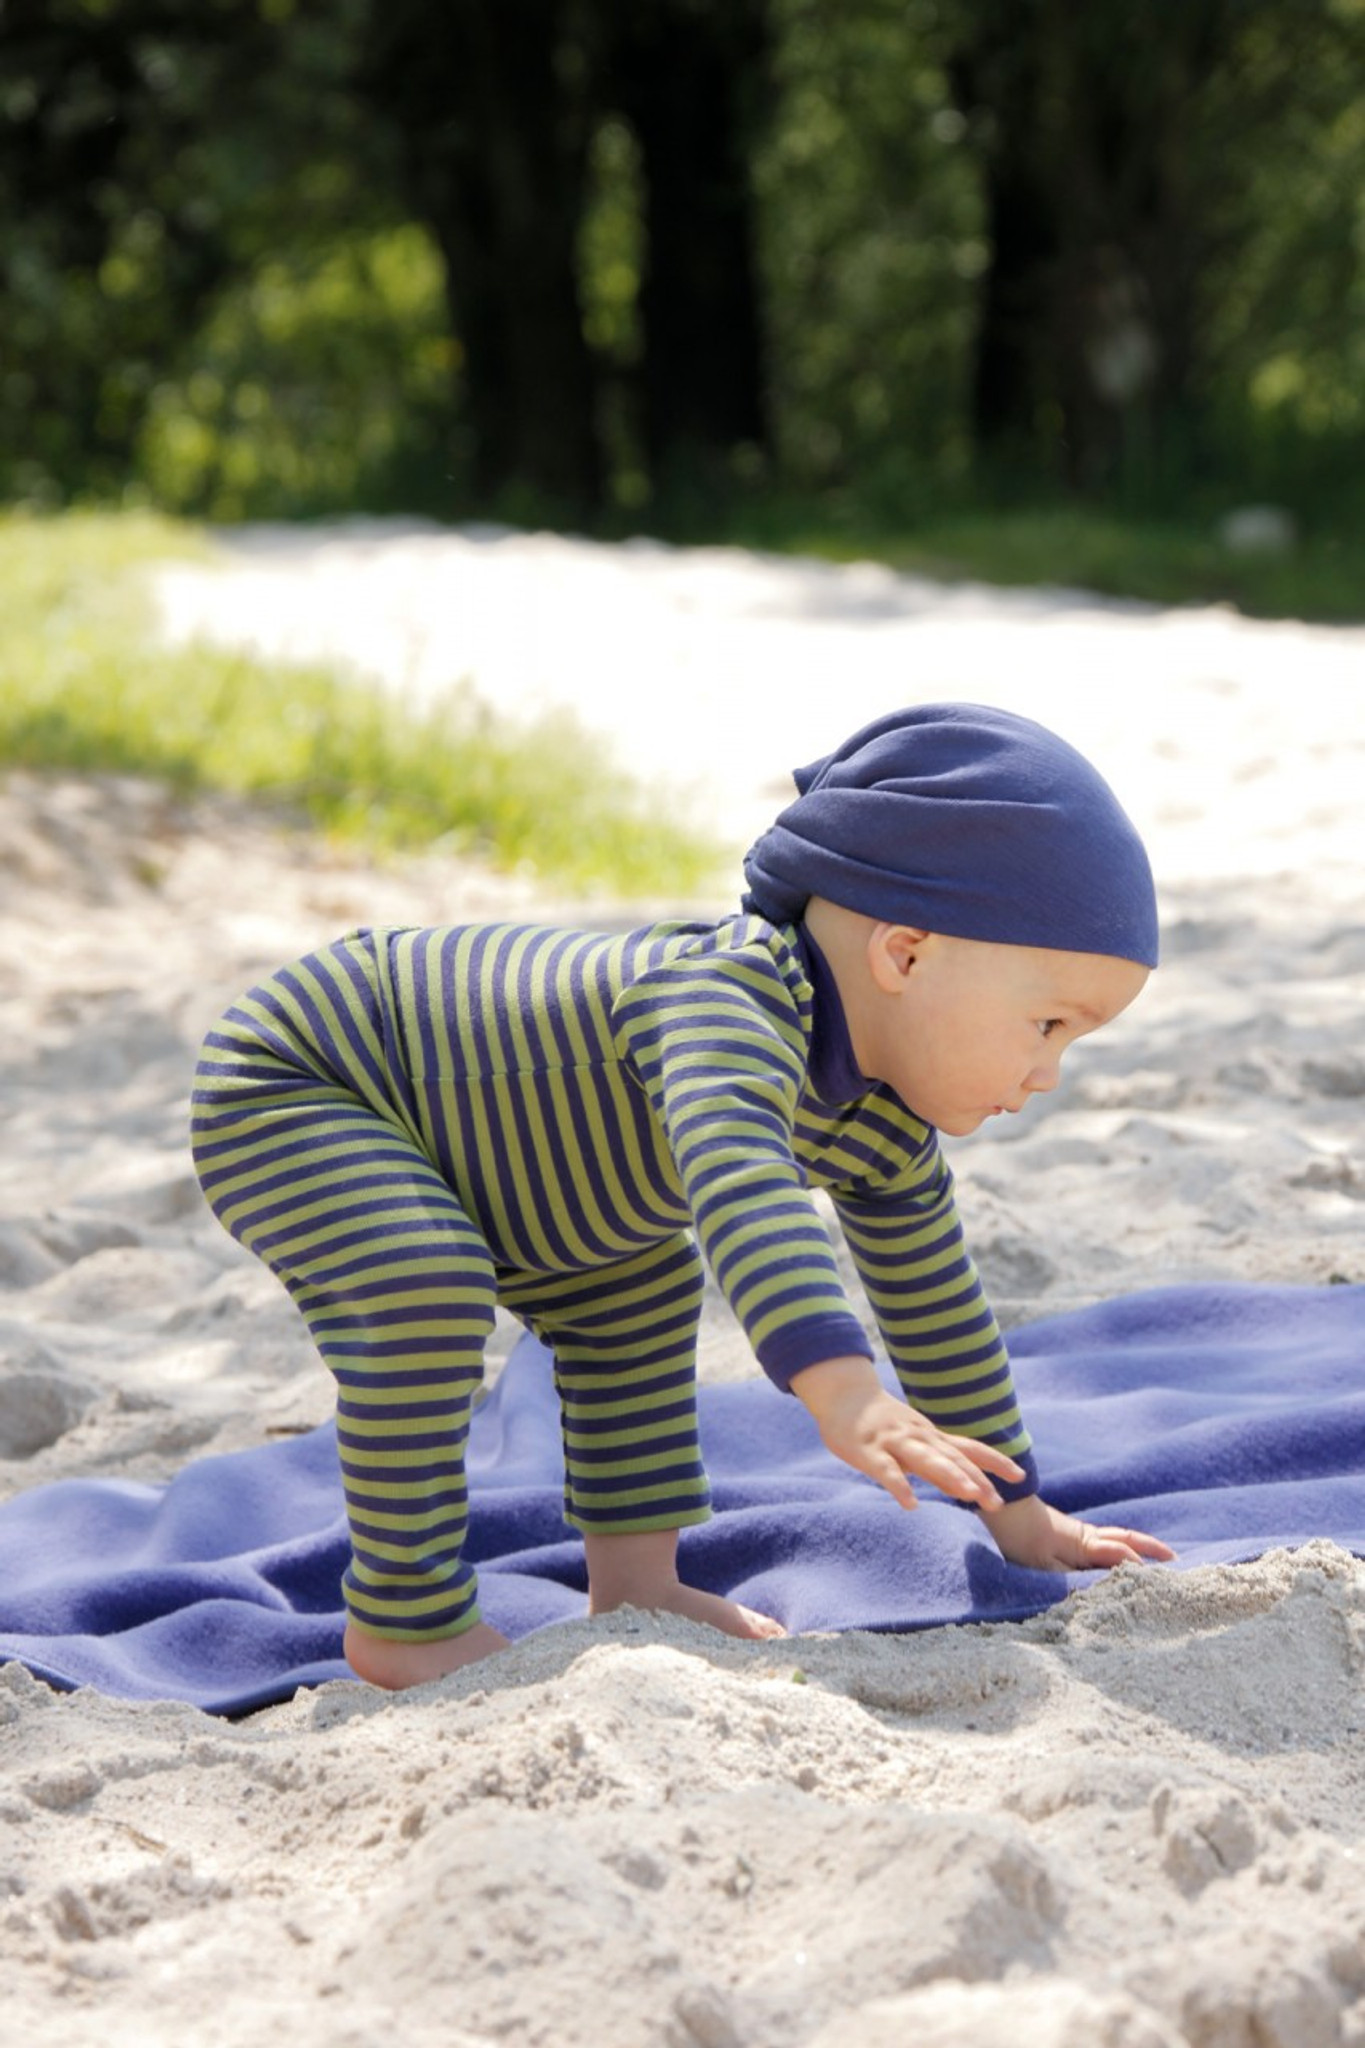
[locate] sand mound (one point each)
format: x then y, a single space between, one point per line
1133 1822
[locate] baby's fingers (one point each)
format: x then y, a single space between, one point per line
1123 1546
985 1456
949 1464
1118 1547
889 1474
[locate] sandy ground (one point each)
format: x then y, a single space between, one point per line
1136 1821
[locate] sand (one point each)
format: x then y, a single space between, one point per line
1138 1820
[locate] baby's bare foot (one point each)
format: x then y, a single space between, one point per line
395 1666
727 1615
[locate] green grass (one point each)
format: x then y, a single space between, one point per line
1322 578
84 687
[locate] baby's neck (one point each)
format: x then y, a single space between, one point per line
842 936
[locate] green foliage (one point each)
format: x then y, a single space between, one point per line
322 377
611 255
1285 377
194 197
872 225
82 688
120 187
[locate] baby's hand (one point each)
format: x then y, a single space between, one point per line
880 1435
1030 1532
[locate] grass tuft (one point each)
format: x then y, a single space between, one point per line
85 687
1321 578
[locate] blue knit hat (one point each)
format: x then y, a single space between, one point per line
965 820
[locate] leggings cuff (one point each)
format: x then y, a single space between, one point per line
415 1632
639 1525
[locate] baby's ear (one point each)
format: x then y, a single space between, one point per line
891 954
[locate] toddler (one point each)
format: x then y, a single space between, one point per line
412 1126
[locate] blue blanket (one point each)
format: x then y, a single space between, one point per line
1228 1420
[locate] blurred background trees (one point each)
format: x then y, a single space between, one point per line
606 263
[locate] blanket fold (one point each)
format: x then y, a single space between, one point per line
1229 1420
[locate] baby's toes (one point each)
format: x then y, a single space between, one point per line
754 1624
717 1612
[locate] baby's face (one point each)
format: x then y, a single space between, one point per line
965 1030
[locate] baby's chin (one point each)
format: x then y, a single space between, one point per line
951 1122
962 1122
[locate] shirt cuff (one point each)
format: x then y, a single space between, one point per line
810 1342
1017 1489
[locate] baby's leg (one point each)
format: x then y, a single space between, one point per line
397 1289
625 1346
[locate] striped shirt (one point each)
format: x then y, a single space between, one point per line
587 1095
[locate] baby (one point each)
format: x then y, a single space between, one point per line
412 1126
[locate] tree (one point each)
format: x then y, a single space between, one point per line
151 151
107 238
496 106
287 255
1098 218
1120 146
870 232
491 105
691 78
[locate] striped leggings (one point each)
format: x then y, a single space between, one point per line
308 1154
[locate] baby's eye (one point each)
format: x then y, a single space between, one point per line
1048 1025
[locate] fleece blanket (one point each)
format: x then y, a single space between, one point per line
1228 1420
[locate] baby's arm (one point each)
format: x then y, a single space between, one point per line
879 1434
1025 1529
884 1437
1029 1532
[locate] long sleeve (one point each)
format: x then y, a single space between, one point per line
719 1042
938 1327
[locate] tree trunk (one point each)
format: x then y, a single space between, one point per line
690 77
491 101
1097 221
